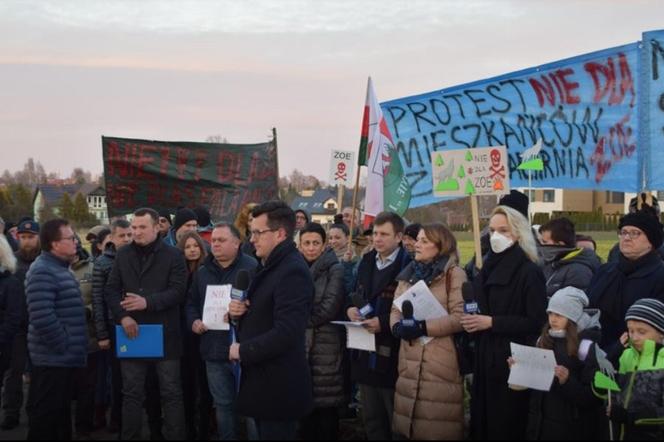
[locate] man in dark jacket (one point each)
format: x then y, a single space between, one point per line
219 268
12 394
146 286
57 334
638 274
275 387
103 318
564 264
376 283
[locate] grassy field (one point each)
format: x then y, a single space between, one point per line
605 241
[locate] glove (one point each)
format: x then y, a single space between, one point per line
620 415
409 332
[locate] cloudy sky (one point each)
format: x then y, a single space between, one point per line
72 71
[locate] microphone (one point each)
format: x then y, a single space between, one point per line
239 289
407 311
470 306
364 307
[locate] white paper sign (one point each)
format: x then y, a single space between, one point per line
358 337
533 367
466 172
217 301
341 167
425 305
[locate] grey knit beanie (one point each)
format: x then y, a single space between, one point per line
568 302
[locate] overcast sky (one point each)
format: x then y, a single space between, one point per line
72 71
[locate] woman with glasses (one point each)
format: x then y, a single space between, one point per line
638 274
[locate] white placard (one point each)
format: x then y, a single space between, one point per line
358 337
217 301
533 367
425 305
468 172
341 167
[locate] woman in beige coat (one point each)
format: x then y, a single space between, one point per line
428 402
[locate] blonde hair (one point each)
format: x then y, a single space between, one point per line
520 229
7 258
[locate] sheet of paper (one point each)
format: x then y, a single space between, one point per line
425 305
217 301
533 368
358 337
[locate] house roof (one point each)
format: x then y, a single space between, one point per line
315 204
52 194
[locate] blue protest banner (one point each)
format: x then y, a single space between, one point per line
652 131
584 109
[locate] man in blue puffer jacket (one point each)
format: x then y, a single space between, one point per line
57 338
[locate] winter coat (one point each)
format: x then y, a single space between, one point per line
276 380
214 344
614 290
378 369
83 272
11 313
568 267
510 288
641 378
162 282
324 340
570 411
100 310
57 331
428 402
23 263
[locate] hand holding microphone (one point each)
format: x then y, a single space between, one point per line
409 328
239 303
472 321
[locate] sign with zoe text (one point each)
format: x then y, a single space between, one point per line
341 167
466 172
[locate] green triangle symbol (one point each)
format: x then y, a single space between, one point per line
462 173
469 156
439 161
470 189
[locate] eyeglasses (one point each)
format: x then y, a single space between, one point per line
68 238
257 233
632 234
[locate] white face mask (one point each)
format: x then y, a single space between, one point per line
500 243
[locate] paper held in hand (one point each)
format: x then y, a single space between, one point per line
217 301
425 305
358 337
533 367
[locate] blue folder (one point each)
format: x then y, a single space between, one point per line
148 344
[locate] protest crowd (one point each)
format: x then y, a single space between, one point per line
281 368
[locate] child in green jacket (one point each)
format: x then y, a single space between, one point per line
638 413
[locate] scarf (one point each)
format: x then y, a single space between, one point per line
427 272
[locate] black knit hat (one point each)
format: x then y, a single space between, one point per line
517 201
646 222
165 213
182 217
203 216
412 230
650 311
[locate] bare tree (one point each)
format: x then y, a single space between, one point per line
216 139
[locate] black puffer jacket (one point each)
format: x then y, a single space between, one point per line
100 310
568 267
570 411
323 340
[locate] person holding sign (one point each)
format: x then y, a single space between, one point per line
570 410
218 269
323 340
511 294
428 403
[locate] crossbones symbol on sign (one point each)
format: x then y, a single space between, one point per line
341 172
496 168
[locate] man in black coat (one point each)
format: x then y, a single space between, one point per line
146 286
376 372
275 387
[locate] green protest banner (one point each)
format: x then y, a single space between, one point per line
167 175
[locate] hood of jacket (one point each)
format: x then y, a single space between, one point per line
324 262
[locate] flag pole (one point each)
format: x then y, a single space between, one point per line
352 217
